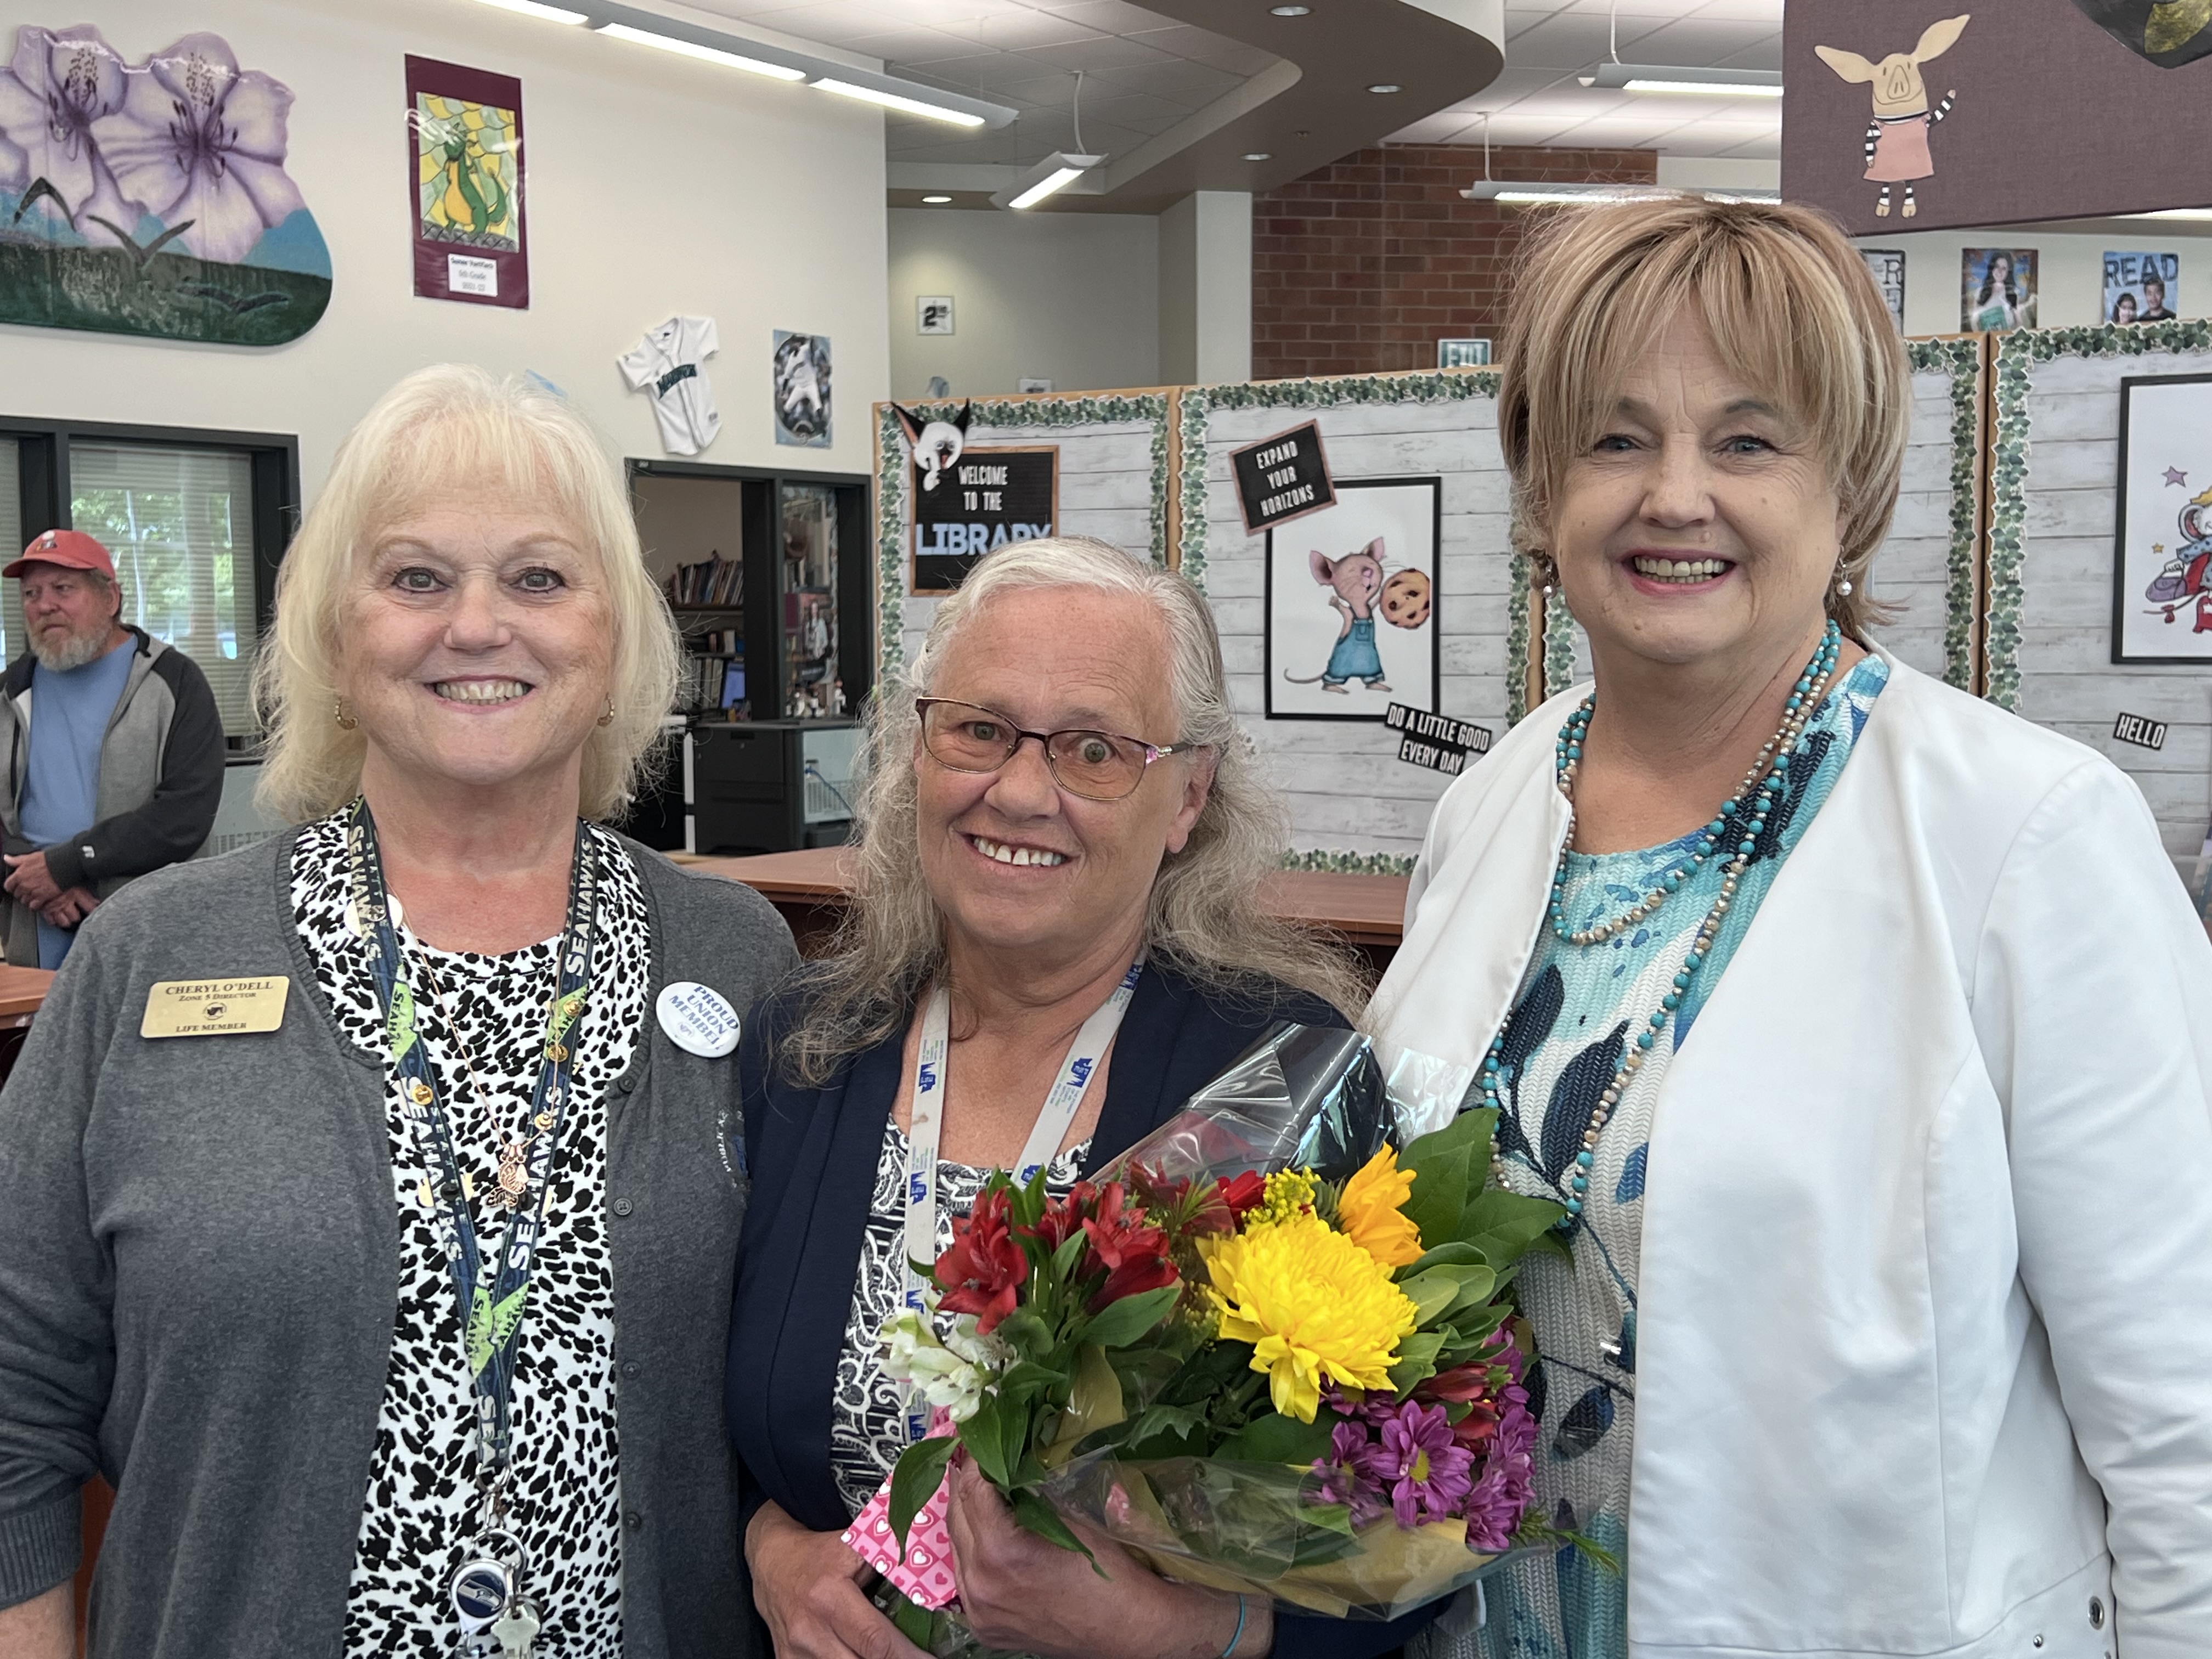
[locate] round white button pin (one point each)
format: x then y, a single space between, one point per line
698 1018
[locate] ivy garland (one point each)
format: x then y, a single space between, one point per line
893 475
1961 359
2017 354
1351 864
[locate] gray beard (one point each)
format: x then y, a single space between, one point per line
75 651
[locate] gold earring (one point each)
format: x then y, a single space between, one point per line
608 719
346 722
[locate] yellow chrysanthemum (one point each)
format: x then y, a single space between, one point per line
1314 1306
1370 1211
1290 1193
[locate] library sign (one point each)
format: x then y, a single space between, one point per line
983 499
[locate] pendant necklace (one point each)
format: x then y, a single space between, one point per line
513 1183
1740 823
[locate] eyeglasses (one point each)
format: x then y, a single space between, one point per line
1096 765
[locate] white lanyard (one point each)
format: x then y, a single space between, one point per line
1061 1104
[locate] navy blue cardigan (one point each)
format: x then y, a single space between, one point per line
811 1154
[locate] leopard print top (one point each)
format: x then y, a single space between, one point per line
422 1495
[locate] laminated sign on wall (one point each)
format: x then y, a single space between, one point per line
464 160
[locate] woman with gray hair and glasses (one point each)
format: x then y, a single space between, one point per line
1065 835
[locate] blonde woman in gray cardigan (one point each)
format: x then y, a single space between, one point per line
369 1223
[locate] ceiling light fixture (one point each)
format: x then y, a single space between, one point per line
535 9
1386 86
1517 192
958 117
1259 155
708 54
1289 11
1056 172
935 201
2173 213
1686 81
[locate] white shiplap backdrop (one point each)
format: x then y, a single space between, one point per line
2050 566
1348 791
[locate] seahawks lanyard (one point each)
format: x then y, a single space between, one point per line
1061 1103
492 1296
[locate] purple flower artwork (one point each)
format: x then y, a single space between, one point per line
151 197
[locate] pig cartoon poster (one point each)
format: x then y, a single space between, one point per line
1351 604
1947 114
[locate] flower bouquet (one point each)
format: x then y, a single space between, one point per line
1267 1350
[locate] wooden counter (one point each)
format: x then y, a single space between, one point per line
21 991
809 888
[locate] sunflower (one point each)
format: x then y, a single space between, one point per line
1370 1211
1314 1306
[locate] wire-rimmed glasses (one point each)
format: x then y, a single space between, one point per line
1096 765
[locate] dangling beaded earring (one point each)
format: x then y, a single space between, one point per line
1545 576
608 719
346 722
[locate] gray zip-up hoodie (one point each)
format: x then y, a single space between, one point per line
161 781
199 1261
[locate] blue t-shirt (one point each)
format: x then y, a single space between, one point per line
70 712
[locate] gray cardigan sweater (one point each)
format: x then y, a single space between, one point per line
199 1273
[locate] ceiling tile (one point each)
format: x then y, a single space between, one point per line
1101 52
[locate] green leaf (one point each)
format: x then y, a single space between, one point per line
1026 1333
1120 1323
1440 1288
1503 1225
1457 1254
984 1435
1468 1132
1475 1292
914 1621
1440 1184
1417 1359
1040 1517
918 1474
1069 1256
1278 1439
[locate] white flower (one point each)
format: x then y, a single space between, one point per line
952 1376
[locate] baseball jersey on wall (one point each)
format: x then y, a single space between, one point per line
668 363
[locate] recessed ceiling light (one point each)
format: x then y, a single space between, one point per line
1386 86
1259 155
936 201
1289 11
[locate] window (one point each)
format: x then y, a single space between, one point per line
196 523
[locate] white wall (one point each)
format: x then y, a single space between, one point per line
656 185
1072 298
2070 275
1205 289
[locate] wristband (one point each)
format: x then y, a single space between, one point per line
1238 1634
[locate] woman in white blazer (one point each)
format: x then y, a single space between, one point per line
1862 1028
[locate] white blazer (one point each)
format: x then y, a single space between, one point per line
1924 1331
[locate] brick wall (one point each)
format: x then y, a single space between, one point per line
1362 267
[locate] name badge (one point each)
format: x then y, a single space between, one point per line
698 1019
213 1007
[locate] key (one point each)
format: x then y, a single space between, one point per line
516 1630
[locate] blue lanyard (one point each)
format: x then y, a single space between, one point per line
492 1296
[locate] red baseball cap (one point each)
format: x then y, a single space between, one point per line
72 549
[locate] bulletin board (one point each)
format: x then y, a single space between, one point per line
1111 479
2055 463
1930 565
1391 441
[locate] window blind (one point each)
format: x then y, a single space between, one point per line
180 523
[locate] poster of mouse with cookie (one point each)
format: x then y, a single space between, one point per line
1351 604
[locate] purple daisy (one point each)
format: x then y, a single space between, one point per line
1497 1502
1425 1468
1344 1476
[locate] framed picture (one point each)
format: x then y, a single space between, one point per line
1887 266
933 313
982 499
1462 354
1997 288
800 379
1351 604
2140 288
2162 552
464 163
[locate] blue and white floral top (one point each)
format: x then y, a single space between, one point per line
1578 1006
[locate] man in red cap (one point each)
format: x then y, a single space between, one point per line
113 744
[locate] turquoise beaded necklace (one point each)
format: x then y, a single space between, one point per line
1741 817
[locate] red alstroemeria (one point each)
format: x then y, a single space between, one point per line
983 1271
1461 1383
1247 1193
1063 1217
1133 1253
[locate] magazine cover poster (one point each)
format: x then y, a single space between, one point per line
1997 288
